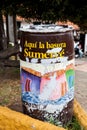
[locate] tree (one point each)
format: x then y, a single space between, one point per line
76 12
54 10
7 8
2 33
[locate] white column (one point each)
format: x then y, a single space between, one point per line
85 45
11 29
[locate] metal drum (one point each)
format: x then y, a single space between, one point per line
47 72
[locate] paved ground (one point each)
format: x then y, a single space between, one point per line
81 81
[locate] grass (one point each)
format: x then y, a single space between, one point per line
72 125
10 92
10 89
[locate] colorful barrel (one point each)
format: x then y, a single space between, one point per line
47 72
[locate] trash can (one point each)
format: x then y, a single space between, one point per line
47 72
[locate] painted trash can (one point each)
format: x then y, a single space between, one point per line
47 72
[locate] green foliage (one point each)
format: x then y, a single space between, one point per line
72 125
53 121
51 10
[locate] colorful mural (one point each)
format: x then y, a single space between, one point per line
47 73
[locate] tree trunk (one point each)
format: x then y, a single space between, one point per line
12 29
7 30
9 63
15 29
3 43
9 52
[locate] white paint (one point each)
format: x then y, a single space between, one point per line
33 60
27 59
20 48
45 68
43 28
52 108
48 88
54 50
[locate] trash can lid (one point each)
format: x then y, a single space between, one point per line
44 28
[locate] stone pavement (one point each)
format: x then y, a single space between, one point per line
81 81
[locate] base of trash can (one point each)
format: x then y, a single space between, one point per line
63 117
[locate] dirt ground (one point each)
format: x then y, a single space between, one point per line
10 88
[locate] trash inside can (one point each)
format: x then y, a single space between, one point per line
47 72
